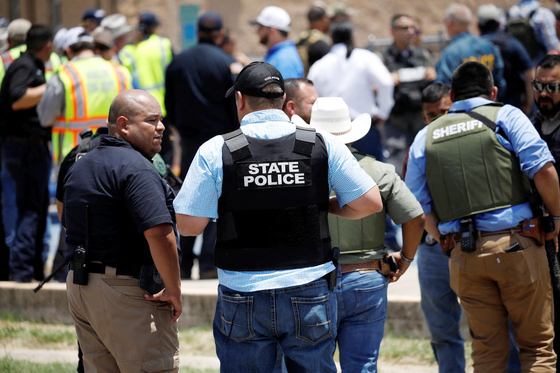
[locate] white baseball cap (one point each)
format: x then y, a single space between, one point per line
488 12
275 17
74 36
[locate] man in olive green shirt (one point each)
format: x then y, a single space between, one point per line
364 261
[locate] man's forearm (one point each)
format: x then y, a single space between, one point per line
163 248
412 232
546 182
431 225
30 99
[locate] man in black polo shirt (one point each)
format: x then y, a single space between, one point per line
120 210
25 152
196 82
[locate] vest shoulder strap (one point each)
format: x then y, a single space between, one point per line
488 122
305 141
237 145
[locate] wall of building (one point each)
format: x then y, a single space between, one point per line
370 17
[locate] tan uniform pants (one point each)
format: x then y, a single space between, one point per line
493 284
119 330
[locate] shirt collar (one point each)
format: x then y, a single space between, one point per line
469 104
461 35
278 46
110 140
261 116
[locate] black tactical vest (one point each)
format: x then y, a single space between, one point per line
552 140
274 203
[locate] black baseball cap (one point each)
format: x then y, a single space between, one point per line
209 22
254 77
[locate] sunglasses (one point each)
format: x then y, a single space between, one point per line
550 87
403 28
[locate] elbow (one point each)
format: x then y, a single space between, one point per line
189 227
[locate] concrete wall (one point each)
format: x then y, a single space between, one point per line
404 315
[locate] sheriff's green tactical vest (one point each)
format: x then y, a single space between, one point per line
361 240
468 171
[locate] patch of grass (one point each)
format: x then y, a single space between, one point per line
406 350
24 334
9 365
197 341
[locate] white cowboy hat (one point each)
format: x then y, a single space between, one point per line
331 114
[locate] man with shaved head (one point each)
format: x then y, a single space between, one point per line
120 224
466 47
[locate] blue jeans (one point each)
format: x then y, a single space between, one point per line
362 310
443 312
9 207
29 164
302 319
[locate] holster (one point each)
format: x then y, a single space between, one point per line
448 242
332 276
533 228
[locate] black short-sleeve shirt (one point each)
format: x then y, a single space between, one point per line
126 196
26 72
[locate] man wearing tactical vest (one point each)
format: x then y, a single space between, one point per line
470 171
365 268
16 43
149 58
268 184
547 98
80 95
314 43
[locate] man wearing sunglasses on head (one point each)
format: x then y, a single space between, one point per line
547 122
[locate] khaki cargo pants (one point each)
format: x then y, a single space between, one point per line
119 330
493 284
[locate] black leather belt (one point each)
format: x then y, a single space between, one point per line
100 268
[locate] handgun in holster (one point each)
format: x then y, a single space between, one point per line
333 275
79 260
468 235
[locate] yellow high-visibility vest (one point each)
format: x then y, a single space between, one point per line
9 56
90 85
151 58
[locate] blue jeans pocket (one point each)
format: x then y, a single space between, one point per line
237 317
371 302
312 318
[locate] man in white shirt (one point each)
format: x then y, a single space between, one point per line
354 74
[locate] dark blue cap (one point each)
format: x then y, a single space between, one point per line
148 19
95 14
209 22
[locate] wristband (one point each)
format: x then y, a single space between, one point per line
405 258
555 217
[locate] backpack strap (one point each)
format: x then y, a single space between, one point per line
237 144
305 141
